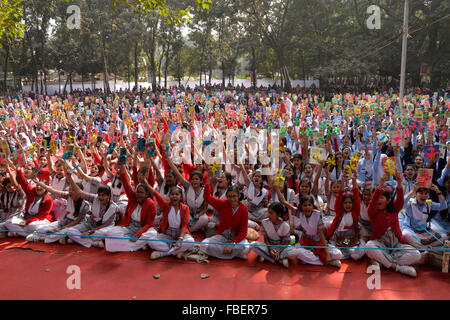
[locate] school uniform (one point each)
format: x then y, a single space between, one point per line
37 211
69 217
11 205
100 214
214 219
290 196
276 234
415 223
310 237
91 184
365 228
256 200
173 223
330 212
233 226
386 233
59 203
138 219
164 192
194 200
118 194
408 185
345 224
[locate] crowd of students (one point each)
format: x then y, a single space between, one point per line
94 168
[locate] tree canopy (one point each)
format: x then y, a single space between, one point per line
135 40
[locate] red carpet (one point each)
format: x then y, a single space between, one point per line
38 271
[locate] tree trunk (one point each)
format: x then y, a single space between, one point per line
45 82
254 67
42 82
152 54
105 61
71 87
82 82
5 75
136 65
210 73
59 82
166 66
65 85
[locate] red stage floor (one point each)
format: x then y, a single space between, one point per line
38 271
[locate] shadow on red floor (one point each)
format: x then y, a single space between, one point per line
39 271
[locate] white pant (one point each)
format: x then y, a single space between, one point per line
351 252
31 227
44 229
414 240
200 223
88 241
406 257
167 248
122 245
309 257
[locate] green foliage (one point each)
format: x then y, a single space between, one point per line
10 15
289 39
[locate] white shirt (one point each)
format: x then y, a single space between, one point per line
34 207
136 215
347 221
174 218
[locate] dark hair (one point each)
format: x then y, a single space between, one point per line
390 204
99 167
167 187
79 202
6 181
420 189
198 174
292 179
411 165
347 196
229 178
177 188
305 199
147 191
302 181
236 189
59 162
103 188
279 209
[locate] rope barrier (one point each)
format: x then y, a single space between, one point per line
445 249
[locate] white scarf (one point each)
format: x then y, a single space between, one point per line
310 224
34 207
136 215
70 209
106 215
174 218
252 197
346 221
283 230
191 199
363 212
